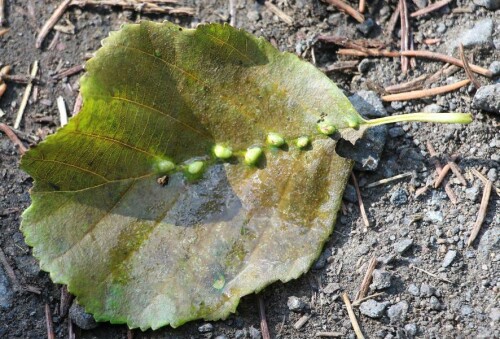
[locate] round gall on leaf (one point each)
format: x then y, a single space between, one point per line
326 128
165 166
252 155
302 142
222 152
274 139
195 167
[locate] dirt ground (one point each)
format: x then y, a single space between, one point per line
407 234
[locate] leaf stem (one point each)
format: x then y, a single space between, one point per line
445 118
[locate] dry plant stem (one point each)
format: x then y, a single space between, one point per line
49 323
449 191
456 170
431 41
69 72
63 115
387 180
232 12
262 315
432 274
430 8
484 179
362 4
141 6
482 212
10 272
2 12
279 13
78 104
407 86
467 69
26 95
405 32
330 334
425 92
302 321
54 18
130 334
66 299
341 66
13 137
365 284
371 296
446 71
442 175
360 201
3 31
352 317
393 20
348 9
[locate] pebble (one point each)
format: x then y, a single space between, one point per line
366 26
397 312
254 333
414 290
492 174
5 290
253 16
372 308
427 290
433 108
240 334
448 258
206 328
331 288
488 98
489 4
399 197
434 216
295 304
411 330
466 310
495 67
435 304
489 243
402 245
221 336
350 194
82 319
472 193
480 34
365 65
381 280
323 259
441 28
397 131
495 314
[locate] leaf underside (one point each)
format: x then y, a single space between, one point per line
136 252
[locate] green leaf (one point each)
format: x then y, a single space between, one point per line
160 100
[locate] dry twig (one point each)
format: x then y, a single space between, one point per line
153 7
330 334
69 72
432 274
66 299
9 270
393 20
456 170
54 18
2 12
49 323
407 86
352 317
262 315
302 321
362 4
405 34
347 9
371 296
430 8
279 13
449 191
365 284
3 31
232 12
341 66
13 137
360 201
27 92
425 92
482 212
467 69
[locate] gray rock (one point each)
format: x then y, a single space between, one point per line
411 330
441 28
414 290
435 304
82 319
396 131
487 98
427 290
480 34
472 193
365 65
420 3
240 334
372 308
6 292
434 216
489 243
466 310
448 258
397 312
403 245
208 327
433 108
489 4
368 104
322 260
350 194
399 197
492 174
254 333
221 336
295 304
495 314
366 26
381 280
253 16
495 67
331 288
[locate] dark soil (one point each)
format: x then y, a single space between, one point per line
468 307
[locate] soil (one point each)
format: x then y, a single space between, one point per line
428 228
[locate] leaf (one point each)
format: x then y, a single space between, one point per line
157 100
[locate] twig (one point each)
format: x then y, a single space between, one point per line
446 71
262 315
78 104
430 8
451 194
302 321
482 213
63 115
9 270
405 34
152 7
3 31
393 20
330 334
13 137
425 92
232 13
71 330
371 296
431 41
279 13
456 170
130 334
27 92
352 317
484 179
432 274
360 201
365 284
348 9
449 191
69 72
54 18
407 86
467 69
65 303
442 175
2 12
341 66
362 4
49 323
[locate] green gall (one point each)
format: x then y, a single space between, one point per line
326 128
195 167
165 166
302 142
219 282
353 123
274 139
252 155
222 152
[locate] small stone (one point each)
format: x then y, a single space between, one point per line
492 5
488 98
295 304
350 194
441 28
435 304
414 290
495 66
240 334
6 292
403 245
489 243
432 108
253 16
323 258
254 333
448 258
399 197
221 336
331 288
372 308
206 328
495 314
83 320
434 216
365 65
368 104
366 26
396 132
411 330
466 310
472 193
397 312
426 290
381 280
492 174
480 34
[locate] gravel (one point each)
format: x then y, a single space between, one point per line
380 280
488 98
80 318
489 4
399 197
495 66
448 258
435 304
397 312
295 304
372 308
208 327
254 333
331 288
472 193
427 290
5 291
480 34
414 290
403 245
